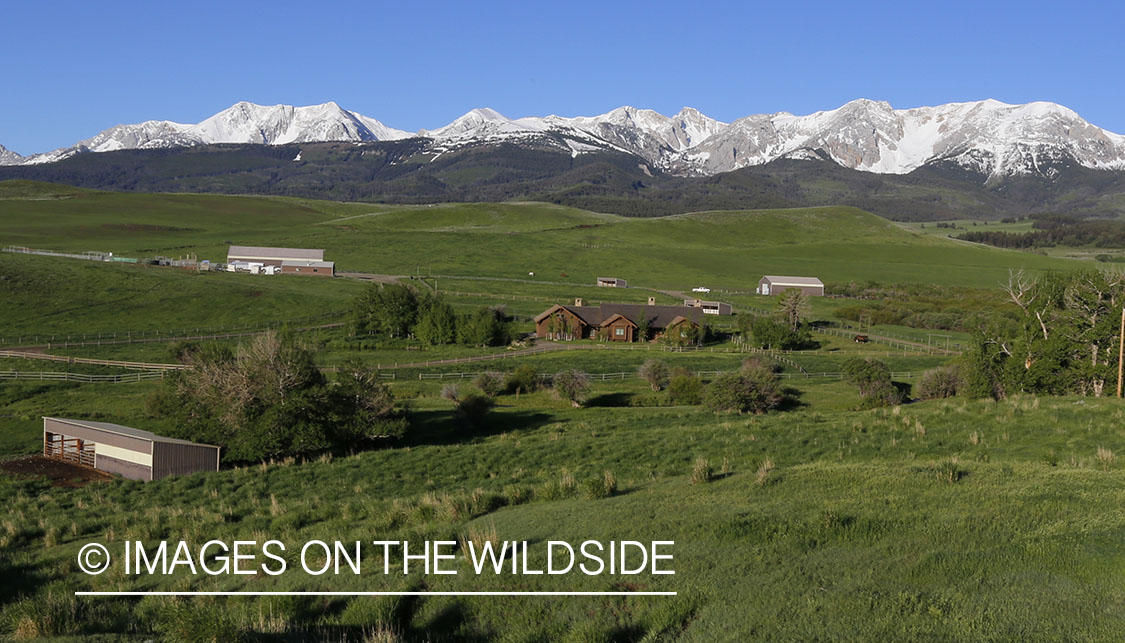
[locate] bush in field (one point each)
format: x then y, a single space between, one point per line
525 379
685 389
572 386
755 389
655 372
940 382
491 384
873 379
701 471
602 487
474 406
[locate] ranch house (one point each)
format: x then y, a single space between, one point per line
615 322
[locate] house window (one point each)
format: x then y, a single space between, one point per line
620 332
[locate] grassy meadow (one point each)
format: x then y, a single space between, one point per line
717 249
950 519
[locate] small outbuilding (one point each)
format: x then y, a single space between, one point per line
612 282
317 268
125 451
710 307
776 285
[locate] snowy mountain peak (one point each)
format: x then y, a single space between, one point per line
243 122
8 157
993 138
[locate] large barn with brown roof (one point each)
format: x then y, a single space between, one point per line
614 322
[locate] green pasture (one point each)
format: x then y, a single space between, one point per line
716 249
949 520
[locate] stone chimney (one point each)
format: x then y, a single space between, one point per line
577 301
652 301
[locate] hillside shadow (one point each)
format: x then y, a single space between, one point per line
17 580
791 400
439 427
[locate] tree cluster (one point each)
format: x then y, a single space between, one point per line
268 400
1064 339
873 379
397 311
753 389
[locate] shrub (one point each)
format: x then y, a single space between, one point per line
602 487
572 386
685 389
940 382
655 372
564 488
489 383
475 406
524 379
450 392
873 379
517 495
755 389
701 471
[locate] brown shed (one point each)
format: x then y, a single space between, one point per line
125 451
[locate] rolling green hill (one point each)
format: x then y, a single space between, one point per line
726 249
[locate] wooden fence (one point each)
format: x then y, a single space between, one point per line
144 366
64 376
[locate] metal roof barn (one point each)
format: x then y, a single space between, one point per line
131 453
273 255
777 284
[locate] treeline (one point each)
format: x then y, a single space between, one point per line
1063 340
397 311
1056 231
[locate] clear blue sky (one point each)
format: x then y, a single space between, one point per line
73 69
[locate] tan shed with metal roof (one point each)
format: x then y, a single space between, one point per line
776 285
125 451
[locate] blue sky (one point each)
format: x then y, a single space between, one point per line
73 69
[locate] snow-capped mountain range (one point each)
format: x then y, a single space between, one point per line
989 137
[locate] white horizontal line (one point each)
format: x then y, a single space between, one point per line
375 594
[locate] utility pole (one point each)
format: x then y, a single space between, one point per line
1121 352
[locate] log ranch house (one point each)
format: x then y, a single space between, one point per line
616 322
